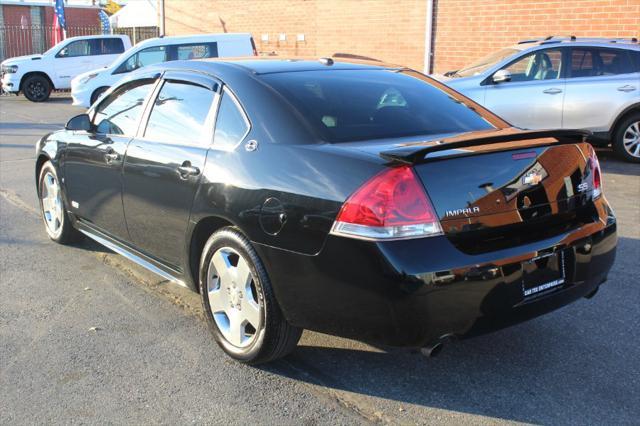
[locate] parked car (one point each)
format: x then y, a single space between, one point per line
566 83
37 75
348 197
88 87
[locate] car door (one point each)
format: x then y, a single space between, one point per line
600 83
164 163
533 98
93 160
73 59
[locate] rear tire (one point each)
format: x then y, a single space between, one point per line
97 93
626 138
54 212
36 88
239 304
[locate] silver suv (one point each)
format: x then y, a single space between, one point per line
567 82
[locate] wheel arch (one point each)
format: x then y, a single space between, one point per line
41 73
622 116
93 96
42 158
198 239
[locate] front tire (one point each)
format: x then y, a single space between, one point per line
36 88
239 303
626 139
54 214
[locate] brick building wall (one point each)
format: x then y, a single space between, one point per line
394 30
390 30
466 30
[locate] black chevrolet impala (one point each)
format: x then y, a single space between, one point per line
348 197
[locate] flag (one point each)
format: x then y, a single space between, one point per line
59 23
104 22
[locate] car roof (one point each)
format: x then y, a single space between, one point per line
629 43
96 36
270 65
161 41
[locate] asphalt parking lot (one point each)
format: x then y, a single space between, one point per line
88 337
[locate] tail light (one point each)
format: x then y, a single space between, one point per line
391 205
594 164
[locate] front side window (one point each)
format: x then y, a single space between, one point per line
594 62
75 48
539 65
179 114
143 58
231 124
120 112
350 105
196 51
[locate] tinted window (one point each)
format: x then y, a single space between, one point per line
196 51
108 46
180 113
76 48
601 62
539 65
347 105
148 56
120 112
231 125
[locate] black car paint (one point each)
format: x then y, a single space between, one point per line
285 196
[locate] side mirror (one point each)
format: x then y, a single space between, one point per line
501 76
79 123
63 53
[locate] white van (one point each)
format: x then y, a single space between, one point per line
37 75
87 88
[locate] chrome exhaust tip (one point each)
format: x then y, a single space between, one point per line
431 351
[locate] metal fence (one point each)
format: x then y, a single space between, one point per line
18 40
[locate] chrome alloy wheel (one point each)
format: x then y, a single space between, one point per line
631 139
233 297
51 203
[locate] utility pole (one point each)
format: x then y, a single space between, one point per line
161 10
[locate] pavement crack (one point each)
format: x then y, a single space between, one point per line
16 201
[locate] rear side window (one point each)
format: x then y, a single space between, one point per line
119 113
108 46
350 105
196 51
593 62
231 124
143 58
179 114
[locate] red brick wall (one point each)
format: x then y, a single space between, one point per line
394 30
388 30
469 29
12 15
75 16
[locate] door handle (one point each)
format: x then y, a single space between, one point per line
627 88
552 91
111 155
186 170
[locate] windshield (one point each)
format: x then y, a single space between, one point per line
483 64
351 105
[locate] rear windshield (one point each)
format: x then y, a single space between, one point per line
350 105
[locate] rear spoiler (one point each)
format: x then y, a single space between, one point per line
415 153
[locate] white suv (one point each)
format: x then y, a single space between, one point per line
37 75
87 88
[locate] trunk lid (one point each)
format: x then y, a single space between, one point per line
504 193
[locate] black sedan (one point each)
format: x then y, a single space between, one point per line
348 197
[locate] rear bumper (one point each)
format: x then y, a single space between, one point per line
413 292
